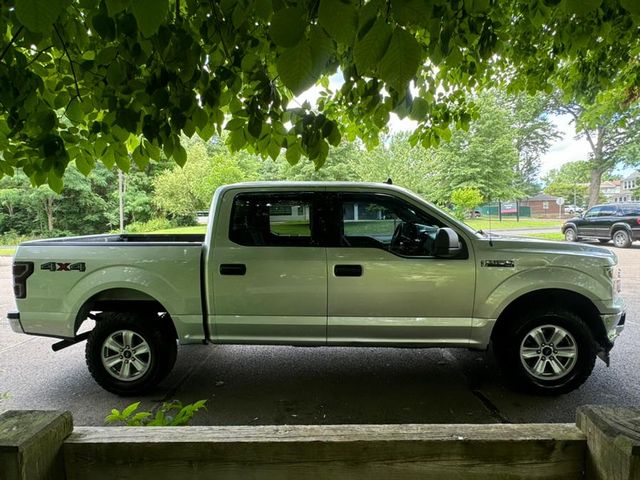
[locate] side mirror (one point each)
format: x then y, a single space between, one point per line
447 243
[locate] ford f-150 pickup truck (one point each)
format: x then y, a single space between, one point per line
357 264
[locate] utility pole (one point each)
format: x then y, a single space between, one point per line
121 191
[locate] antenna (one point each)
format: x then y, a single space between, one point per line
389 181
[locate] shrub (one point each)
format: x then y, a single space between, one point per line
158 223
170 414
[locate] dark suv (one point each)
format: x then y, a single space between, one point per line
619 222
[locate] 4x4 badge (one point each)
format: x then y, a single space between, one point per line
63 267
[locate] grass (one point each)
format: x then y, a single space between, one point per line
512 224
7 252
547 236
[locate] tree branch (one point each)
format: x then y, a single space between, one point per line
214 9
73 70
39 53
13 39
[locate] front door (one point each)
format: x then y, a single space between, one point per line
587 227
385 286
268 277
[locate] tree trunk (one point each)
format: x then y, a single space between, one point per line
594 186
48 206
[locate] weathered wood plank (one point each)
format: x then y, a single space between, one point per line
337 451
30 444
613 439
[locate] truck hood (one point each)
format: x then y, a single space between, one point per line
523 247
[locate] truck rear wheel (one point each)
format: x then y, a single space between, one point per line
129 354
548 352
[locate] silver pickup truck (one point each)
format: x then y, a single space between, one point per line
322 264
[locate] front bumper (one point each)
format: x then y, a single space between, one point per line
14 322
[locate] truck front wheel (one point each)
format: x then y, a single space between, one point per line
548 352
129 354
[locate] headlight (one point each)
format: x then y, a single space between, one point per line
615 274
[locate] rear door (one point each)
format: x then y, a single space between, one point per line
268 277
384 288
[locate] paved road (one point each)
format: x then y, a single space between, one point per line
289 385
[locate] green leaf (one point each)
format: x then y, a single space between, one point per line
74 111
581 7
370 50
293 153
116 6
83 165
400 64
123 163
104 26
237 140
149 14
273 149
130 409
295 68
139 158
55 182
287 27
411 12
263 8
631 6
38 15
419 109
180 155
340 19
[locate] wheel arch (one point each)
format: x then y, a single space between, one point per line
123 300
576 302
619 226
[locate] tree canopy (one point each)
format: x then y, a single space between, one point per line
117 81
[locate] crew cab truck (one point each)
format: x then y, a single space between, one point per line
356 264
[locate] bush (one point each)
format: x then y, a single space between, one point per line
464 200
170 414
158 223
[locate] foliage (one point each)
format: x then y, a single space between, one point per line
158 223
121 80
610 122
183 190
486 156
570 181
170 414
464 200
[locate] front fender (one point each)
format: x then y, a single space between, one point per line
595 288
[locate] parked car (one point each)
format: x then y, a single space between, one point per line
322 263
619 222
571 209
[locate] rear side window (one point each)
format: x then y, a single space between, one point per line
631 210
272 220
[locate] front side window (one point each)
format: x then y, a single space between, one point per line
388 223
274 219
592 212
607 211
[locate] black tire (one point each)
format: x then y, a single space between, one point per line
570 234
518 353
603 240
145 370
621 239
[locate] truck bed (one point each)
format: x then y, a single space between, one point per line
135 238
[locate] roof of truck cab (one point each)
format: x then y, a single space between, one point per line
315 185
